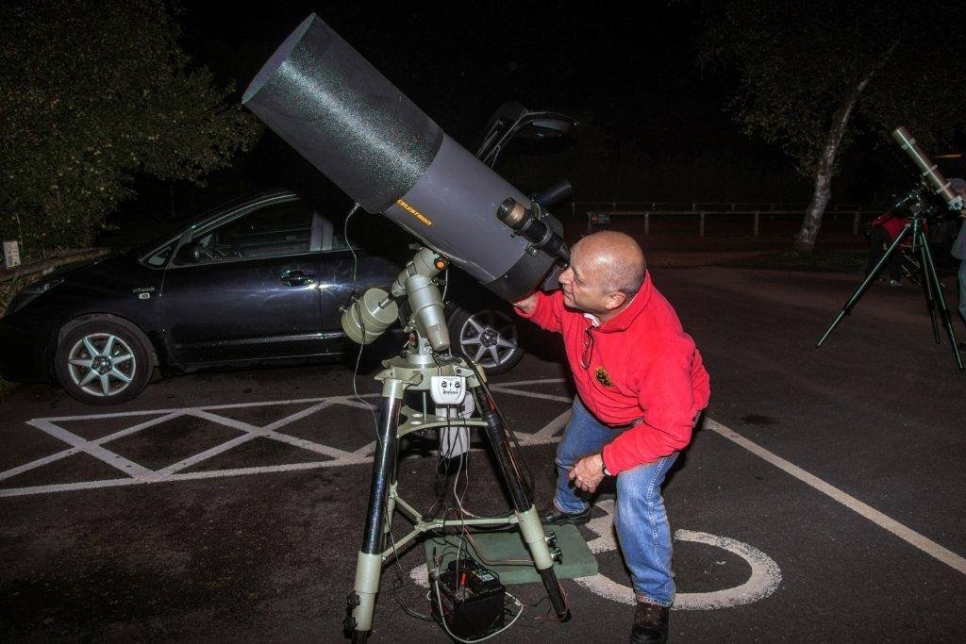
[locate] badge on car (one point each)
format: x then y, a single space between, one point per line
144 292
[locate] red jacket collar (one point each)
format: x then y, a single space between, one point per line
625 318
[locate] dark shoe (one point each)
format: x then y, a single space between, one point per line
650 623
553 516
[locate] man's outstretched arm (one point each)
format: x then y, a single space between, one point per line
528 304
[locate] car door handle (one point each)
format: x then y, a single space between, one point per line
297 278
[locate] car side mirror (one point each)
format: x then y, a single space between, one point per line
190 253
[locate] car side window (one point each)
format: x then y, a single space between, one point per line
160 257
326 236
275 230
339 241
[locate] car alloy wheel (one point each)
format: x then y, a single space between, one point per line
488 337
103 361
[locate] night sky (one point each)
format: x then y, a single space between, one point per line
628 65
629 62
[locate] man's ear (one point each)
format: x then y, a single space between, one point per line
615 300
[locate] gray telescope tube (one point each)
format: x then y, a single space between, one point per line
359 130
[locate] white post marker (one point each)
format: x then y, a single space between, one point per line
11 254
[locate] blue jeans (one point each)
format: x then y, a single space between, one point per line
641 520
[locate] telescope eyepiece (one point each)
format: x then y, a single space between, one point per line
529 223
513 214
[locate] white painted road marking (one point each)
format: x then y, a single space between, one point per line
764 579
137 474
908 535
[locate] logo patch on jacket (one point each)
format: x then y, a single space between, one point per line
602 377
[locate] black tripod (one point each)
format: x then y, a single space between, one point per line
929 279
412 372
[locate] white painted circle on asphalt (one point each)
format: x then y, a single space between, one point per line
764 579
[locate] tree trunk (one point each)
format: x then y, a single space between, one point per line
805 239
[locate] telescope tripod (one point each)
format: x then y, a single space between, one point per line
413 371
929 279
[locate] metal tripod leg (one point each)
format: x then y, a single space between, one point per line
932 279
529 520
864 286
362 600
928 287
935 300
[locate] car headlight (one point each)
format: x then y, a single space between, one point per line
32 291
42 285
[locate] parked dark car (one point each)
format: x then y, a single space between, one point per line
257 281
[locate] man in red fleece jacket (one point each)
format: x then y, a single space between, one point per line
641 386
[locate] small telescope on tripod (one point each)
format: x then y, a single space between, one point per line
326 101
921 203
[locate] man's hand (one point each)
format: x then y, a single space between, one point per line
588 472
527 304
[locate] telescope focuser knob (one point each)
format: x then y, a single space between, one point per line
555 552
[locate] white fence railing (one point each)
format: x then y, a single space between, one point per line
599 213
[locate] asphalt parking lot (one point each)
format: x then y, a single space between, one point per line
821 501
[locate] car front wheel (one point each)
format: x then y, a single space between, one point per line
103 361
488 337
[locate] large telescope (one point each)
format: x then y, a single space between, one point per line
929 171
358 129
326 101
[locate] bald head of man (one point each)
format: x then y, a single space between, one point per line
606 271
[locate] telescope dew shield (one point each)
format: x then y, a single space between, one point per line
322 98
330 104
929 169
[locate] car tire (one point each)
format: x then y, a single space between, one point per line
103 361
489 337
